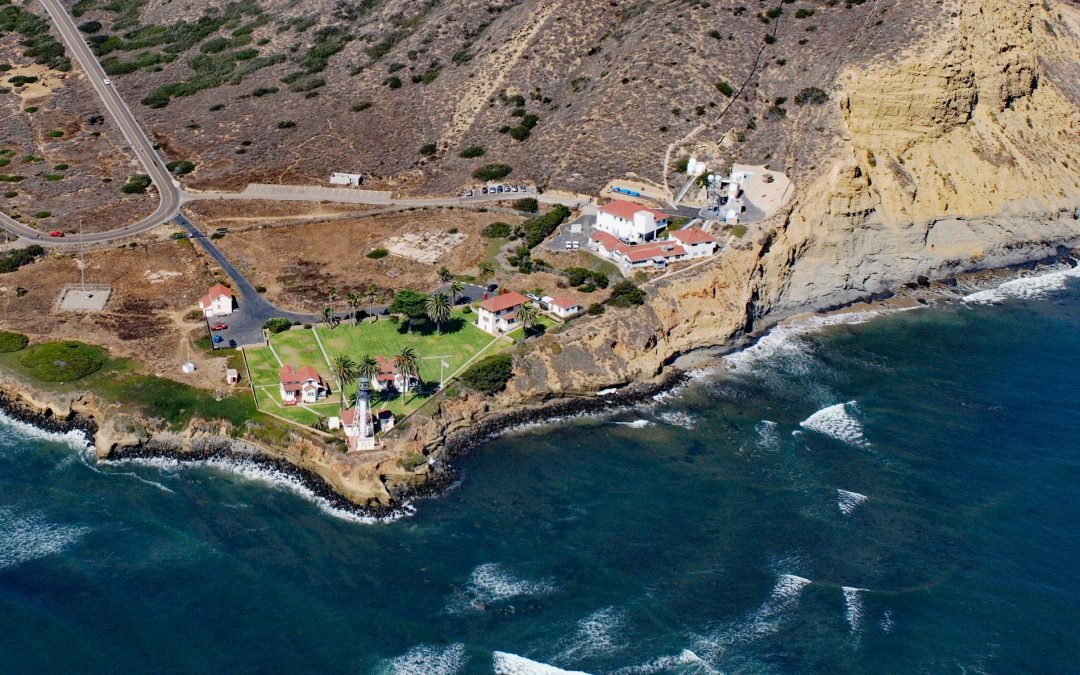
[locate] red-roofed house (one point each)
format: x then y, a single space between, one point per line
390 377
630 222
498 315
301 386
697 242
218 302
562 306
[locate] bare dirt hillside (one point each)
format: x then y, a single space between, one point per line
566 92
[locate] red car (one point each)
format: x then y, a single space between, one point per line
219 326
56 233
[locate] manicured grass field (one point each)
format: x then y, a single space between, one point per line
460 341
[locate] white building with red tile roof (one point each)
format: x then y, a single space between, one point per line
303 385
217 302
498 315
390 377
630 222
562 306
697 242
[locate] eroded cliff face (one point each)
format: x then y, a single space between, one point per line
961 154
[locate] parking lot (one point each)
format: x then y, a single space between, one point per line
499 191
576 233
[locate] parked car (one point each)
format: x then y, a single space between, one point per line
56 233
577 245
232 343
492 288
217 339
500 188
219 326
469 193
533 297
483 191
569 244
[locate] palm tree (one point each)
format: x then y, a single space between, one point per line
486 269
328 316
528 314
445 275
353 299
455 290
371 292
438 308
407 365
368 367
332 296
344 369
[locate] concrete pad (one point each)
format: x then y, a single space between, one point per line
80 298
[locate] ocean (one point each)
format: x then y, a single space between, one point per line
892 492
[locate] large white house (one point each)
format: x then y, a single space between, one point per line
390 377
303 385
217 302
680 245
630 222
697 242
498 315
563 307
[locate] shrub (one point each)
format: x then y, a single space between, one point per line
626 294
13 260
378 253
180 167
63 360
595 309
90 26
278 324
528 204
811 96
42 214
55 133
724 88
361 106
286 124
12 342
496 230
739 231
539 228
394 82
137 184
491 374
428 149
472 152
492 172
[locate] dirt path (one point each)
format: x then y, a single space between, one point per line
492 76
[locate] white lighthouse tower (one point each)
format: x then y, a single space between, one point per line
356 421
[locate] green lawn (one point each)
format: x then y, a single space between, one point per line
460 341
542 320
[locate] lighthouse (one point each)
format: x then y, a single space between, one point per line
356 421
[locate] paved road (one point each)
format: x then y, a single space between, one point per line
168 190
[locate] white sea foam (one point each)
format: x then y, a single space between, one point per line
429 660
263 474
512 664
784 341
636 424
887 621
490 583
836 421
596 634
1025 288
762 622
848 501
74 438
854 603
686 662
768 435
24 538
677 418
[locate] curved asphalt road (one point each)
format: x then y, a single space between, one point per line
169 191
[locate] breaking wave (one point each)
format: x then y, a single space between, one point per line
762 622
490 583
636 424
848 501
429 660
1025 288
261 473
677 418
74 438
685 661
594 635
24 538
768 433
512 664
853 603
836 421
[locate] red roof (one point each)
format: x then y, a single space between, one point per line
218 290
626 210
288 374
348 417
650 251
504 301
693 235
606 240
565 302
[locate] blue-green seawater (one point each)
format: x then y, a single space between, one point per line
897 495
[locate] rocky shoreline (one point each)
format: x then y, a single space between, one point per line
46 419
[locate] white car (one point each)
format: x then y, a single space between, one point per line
107 81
